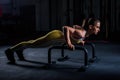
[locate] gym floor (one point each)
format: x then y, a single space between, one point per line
106 67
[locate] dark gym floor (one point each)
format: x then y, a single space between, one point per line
107 67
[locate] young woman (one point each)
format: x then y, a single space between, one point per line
70 35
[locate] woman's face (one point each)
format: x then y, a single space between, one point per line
96 28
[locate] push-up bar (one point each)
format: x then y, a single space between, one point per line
66 47
92 59
92 45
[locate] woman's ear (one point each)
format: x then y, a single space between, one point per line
90 26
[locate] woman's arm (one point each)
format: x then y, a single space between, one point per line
77 27
68 31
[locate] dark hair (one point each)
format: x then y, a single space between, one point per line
90 21
93 21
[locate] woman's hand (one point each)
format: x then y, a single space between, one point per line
71 46
81 42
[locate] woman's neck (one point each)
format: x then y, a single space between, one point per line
88 33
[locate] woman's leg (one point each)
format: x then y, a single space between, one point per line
49 39
54 35
18 48
51 36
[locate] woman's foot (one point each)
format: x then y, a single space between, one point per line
20 54
10 56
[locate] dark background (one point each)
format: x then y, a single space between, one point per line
28 19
